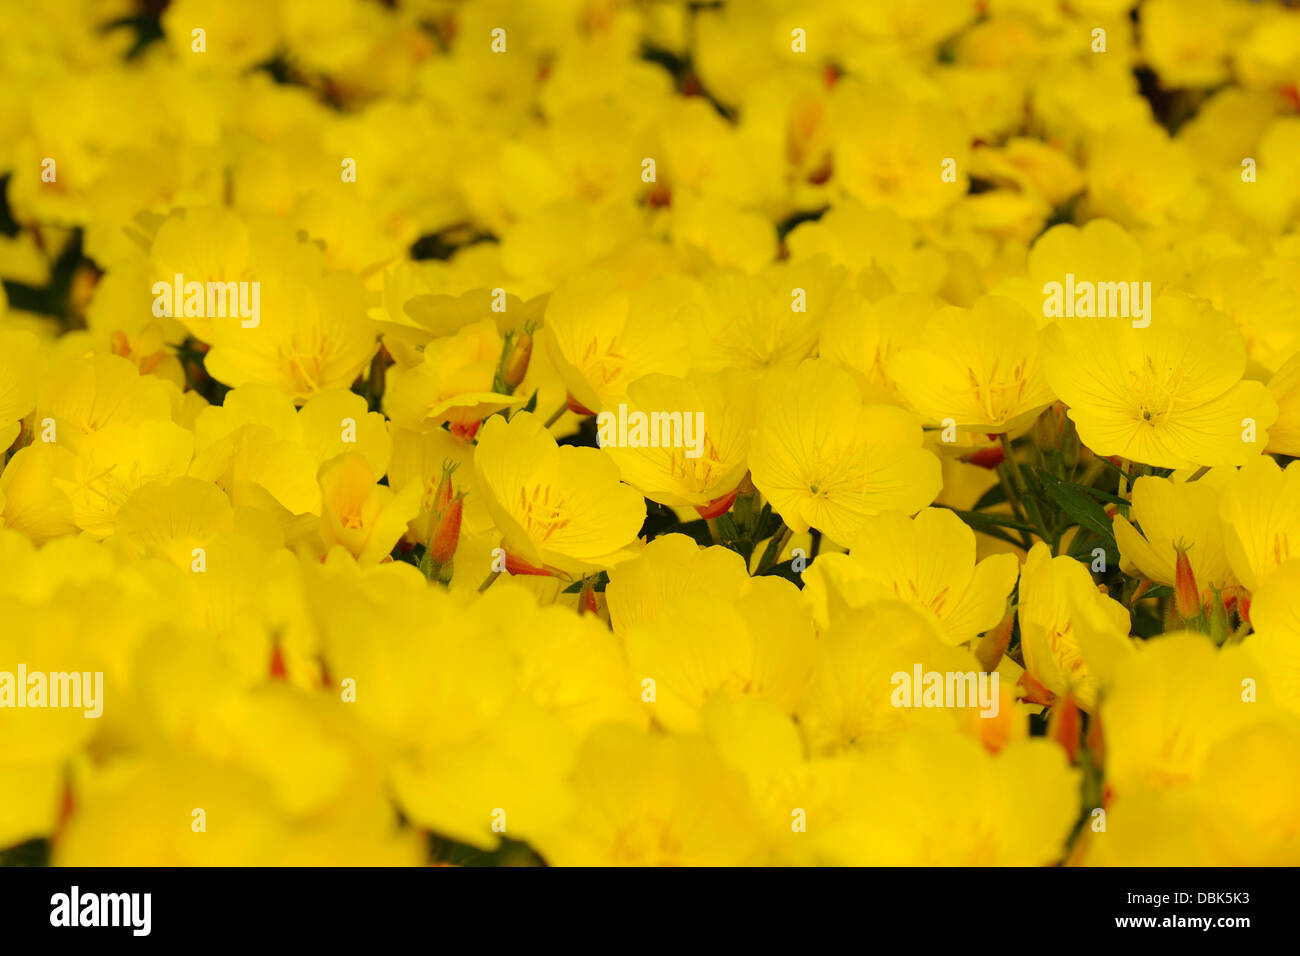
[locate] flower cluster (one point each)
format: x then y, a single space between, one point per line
608 432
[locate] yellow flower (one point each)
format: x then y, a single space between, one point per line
758 322
1064 619
652 800
940 799
310 337
850 704
1240 811
1284 386
863 336
1170 395
1177 698
1175 517
561 508
29 500
1187 41
1138 176
759 644
927 561
825 460
365 518
18 374
1276 641
1260 510
602 338
713 464
890 152
979 367
453 383
642 589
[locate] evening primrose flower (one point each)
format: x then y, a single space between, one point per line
83 395
760 644
311 337
453 383
1138 175
889 152
169 519
827 461
1062 617
850 704
1187 43
29 500
1175 518
1275 615
18 372
1284 386
652 800
979 367
681 476
1170 395
884 252
602 338
941 799
257 440
1175 699
757 322
927 561
1238 811
1098 251
556 508
644 588
365 518
863 336
1260 510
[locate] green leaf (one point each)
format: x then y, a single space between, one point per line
981 521
1083 510
994 496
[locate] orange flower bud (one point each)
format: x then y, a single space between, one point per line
444 518
587 605
988 457
718 506
993 645
1187 596
577 407
1034 690
517 565
442 546
1065 725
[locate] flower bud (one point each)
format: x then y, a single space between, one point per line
444 519
717 507
988 458
587 603
1187 597
1065 725
516 362
993 645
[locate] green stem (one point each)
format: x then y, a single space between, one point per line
772 553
